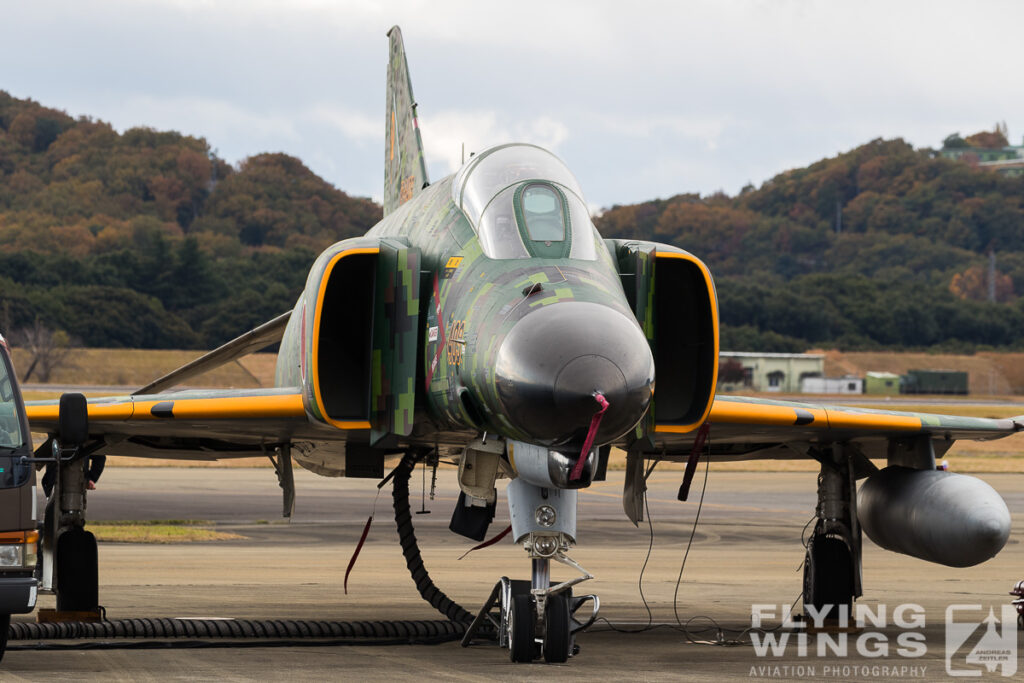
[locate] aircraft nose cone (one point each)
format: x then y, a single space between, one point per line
556 358
581 377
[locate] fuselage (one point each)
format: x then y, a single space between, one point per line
524 315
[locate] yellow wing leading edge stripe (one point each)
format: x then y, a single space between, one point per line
219 408
242 408
736 412
106 412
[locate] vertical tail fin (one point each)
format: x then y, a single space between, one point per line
405 171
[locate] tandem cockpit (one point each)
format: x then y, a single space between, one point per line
523 203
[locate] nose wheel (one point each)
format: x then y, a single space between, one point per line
534 618
534 623
555 645
522 629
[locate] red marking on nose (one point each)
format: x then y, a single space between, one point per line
595 422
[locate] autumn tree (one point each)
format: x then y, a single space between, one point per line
995 139
730 371
973 285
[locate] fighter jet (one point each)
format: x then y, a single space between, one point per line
486 321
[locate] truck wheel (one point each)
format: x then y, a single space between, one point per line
5 627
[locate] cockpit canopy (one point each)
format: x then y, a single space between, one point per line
523 202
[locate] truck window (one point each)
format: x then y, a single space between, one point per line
12 471
10 425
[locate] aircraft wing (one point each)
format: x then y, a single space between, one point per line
242 422
750 428
199 424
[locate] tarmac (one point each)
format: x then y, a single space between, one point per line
746 551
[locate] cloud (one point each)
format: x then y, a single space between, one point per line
352 124
202 116
705 130
445 133
571 26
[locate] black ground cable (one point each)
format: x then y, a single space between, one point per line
129 633
410 549
152 644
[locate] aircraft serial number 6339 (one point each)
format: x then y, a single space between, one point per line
484 318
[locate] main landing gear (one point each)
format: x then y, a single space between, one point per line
69 556
832 567
535 618
69 553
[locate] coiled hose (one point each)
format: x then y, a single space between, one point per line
411 550
235 632
227 629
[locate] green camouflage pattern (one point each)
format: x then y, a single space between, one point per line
471 300
405 170
636 262
395 334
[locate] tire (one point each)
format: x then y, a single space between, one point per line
77 571
522 630
828 576
557 636
5 627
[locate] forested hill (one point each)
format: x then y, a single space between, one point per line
147 238
883 246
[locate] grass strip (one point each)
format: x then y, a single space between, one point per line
159 531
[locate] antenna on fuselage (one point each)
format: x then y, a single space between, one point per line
463 153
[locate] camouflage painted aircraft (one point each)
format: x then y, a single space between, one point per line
486 320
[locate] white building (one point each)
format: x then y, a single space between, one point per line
832 385
781 372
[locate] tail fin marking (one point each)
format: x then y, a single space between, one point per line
405 171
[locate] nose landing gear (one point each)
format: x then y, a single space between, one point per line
543 621
534 623
534 618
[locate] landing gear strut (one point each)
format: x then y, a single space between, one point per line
537 618
832 565
70 560
69 555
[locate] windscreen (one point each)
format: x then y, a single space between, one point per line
10 425
12 471
543 213
551 207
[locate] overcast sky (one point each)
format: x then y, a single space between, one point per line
641 99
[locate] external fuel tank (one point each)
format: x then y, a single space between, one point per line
941 517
